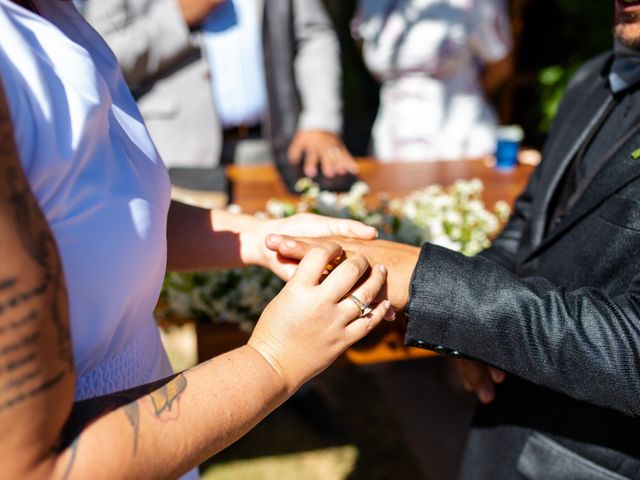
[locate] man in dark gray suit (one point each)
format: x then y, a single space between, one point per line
162 47
555 302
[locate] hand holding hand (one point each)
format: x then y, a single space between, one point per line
479 378
324 148
256 251
400 259
312 320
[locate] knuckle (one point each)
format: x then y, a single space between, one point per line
368 296
320 250
378 278
369 324
361 261
351 269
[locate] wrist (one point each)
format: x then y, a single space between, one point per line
282 379
248 229
252 238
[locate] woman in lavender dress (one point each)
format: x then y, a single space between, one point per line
435 59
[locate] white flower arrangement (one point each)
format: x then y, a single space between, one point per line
453 217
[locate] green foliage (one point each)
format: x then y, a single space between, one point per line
559 35
552 82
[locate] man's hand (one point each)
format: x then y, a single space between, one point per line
479 378
255 249
400 259
324 148
195 11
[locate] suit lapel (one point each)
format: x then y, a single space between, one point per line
620 170
584 118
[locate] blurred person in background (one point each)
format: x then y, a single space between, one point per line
436 61
231 81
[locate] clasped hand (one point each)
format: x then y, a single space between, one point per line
312 320
400 260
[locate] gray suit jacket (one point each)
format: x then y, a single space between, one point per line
162 62
559 311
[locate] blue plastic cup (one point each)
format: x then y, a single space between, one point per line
508 145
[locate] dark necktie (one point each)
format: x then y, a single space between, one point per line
625 69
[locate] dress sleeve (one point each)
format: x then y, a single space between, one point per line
23 116
491 38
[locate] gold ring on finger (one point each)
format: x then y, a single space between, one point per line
335 262
362 307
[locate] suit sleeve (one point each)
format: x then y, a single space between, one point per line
146 43
583 343
317 67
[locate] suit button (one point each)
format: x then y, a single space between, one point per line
440 349
455 353
418 343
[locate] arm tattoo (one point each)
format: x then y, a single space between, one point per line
74 451
163 396
25 304
41 246
132 411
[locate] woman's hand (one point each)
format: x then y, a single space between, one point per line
479 378
313 320
254 249
202 239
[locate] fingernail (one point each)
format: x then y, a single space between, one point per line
391 314
382 268
485 396
274 238
290 243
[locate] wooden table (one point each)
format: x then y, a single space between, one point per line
252 186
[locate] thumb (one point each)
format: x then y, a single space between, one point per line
287 246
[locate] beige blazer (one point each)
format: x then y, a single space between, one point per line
162 62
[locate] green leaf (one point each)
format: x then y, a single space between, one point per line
635 154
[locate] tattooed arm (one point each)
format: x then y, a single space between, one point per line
196 414
36 367
161 430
